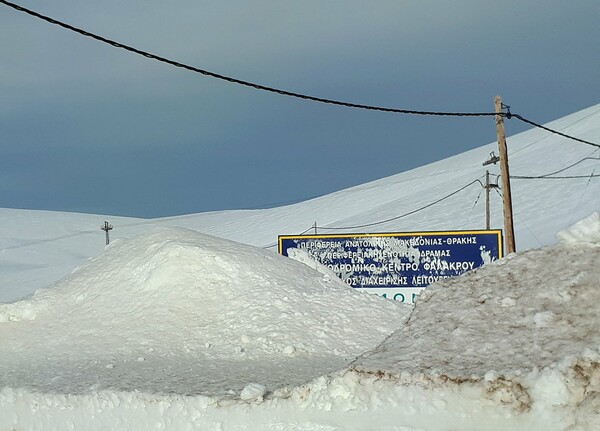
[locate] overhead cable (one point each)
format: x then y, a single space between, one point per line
405 214
569 177
45 240
301 233
556 132
571 165
551 175
279 91
239 81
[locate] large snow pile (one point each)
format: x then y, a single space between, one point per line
180 312
523 330
131 340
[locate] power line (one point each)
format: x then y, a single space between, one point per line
572 123
42 241
393 218
571 165
474 205
397 217
550 175
584 191
570 177
279 91
405 214
239 81
556 132
301 233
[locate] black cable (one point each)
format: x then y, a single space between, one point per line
403 215
571 165
519 177
474 205
56 238
550 174
239 81
556 132
303 232
277 243
284 92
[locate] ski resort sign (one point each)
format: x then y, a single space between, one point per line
396 265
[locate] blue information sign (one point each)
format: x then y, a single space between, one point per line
398 260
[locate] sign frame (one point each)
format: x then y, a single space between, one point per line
494 236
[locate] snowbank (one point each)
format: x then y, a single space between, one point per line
154 334
523 331
586 230
210 314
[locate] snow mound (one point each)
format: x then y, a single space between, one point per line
187 303
305 258
523 330
586 230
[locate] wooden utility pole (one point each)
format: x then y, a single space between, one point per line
509 230
106 228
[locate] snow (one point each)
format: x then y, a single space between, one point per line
524 329
172 328
258 312
253 392
586 230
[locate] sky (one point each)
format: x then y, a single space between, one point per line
87 127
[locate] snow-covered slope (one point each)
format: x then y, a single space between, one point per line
542 207
37 248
